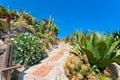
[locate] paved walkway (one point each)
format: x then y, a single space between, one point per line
50 68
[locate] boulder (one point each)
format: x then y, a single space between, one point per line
8 41
1 42
114 70
2 46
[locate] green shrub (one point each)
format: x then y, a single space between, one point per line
28 49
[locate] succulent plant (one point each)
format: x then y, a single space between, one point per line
100 50
78 68
28 49
116 37
97 50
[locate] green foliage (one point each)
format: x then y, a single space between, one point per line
3 11
2 25
116 37
55 30
100 50
77 37
24 22
48 27
78 67
28 49
18 19
76 51
67 39
13 13
102 77
48 30
30 20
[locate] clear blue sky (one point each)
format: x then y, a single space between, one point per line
71 15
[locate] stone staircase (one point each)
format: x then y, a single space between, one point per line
50 68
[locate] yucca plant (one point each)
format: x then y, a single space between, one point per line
100 50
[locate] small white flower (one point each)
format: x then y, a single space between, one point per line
19 48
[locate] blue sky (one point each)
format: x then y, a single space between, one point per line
71 15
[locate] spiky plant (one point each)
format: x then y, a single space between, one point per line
78 68
100 50
3 11
116 37
77 37
13 13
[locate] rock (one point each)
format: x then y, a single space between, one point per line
8 41
2 46
118 78
114 70
1 42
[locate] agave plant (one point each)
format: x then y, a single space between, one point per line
100 50
116 37
77 37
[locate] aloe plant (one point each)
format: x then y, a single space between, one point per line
100 50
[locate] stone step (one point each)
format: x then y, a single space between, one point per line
43 70
50 68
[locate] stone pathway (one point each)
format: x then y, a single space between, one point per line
50 68
43 70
